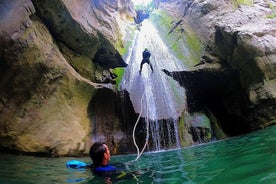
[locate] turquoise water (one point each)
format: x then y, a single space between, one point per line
246 159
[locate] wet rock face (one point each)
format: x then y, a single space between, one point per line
44 96
85 32
108 59
113 117
219 91
241 38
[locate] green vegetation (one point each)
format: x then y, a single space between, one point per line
181 127
123 47
119 72
179 37
271 16
242 2
216 126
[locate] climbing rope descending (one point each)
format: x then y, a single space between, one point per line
147 139
139 153
165 97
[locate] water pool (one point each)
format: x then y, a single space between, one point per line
246 159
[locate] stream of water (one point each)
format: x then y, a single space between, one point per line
246 159
154 94
163 97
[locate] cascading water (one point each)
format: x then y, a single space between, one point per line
158 97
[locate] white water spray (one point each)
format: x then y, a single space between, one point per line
164 98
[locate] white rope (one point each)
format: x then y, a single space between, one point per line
139 154
137 121
147 140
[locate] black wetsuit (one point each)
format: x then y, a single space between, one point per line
146 56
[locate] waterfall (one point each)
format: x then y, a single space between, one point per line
157 96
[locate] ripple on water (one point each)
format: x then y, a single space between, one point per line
246 159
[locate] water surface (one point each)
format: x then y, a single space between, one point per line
246 159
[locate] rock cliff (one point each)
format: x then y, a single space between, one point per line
55 57
48 66
237 37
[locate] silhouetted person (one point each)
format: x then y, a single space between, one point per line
146 56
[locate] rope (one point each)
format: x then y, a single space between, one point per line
137 121
147 140
139 154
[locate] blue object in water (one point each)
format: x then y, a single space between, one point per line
75 164
108 168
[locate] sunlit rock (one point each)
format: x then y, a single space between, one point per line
239 37
47 73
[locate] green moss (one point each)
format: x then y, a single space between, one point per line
119 72
273 8
195 47
216 126
181 39
181 131
242 2
123 47
271 16
82 64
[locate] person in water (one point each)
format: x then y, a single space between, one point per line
146 55
100 155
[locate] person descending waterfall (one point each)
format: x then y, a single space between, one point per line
146 55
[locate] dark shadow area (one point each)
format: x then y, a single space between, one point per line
112 120
219 91
109 59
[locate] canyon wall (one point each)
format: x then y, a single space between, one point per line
239 41
56 70
49 63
